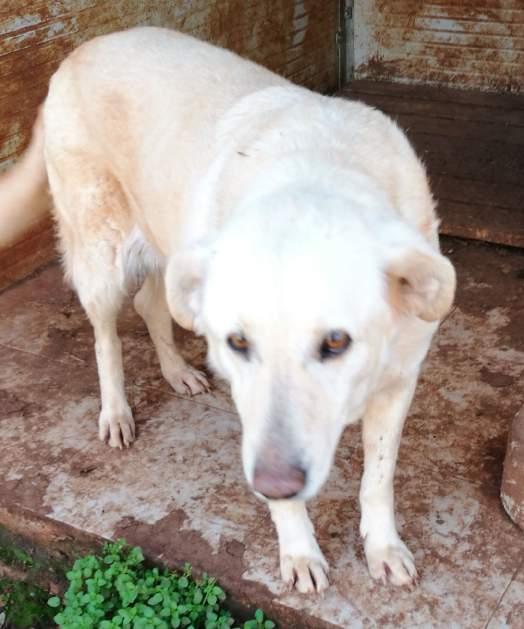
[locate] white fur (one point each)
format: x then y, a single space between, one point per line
277 213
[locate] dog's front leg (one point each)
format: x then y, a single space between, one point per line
302 563
387 556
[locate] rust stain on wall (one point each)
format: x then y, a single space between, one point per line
295 38
470 44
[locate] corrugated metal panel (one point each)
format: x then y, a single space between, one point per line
462 43
293 37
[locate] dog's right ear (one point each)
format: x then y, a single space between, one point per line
183 278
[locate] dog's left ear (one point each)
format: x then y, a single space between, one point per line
183 279
421 282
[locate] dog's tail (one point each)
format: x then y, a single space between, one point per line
24 196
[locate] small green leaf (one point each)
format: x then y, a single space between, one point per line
259 616
154 600
198 597
136 556
54 601
147 611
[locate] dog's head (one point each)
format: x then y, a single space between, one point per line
301 301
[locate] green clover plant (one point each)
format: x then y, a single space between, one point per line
117 590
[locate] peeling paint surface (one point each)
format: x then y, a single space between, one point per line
473 44
296 39
180 492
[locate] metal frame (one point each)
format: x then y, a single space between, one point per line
345 42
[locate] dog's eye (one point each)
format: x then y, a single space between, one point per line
334 343
238 343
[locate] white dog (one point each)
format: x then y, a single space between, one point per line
296 232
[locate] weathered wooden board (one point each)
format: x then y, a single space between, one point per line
472 144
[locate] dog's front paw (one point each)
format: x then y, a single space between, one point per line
117 427
187 381
391 563
307 574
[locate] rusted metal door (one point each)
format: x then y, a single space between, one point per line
461 43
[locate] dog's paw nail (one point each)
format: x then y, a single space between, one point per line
391 564
117 428
307 575
187 381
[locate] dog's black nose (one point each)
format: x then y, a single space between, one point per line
278 481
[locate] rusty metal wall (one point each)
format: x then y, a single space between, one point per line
461 43
293 37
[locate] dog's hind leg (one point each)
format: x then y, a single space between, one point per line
116 422
150 303
93 222
99 290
